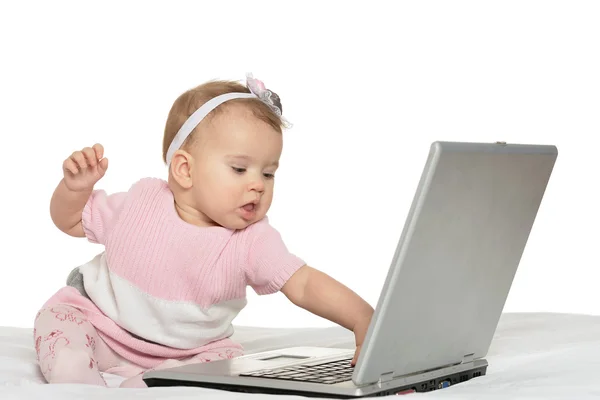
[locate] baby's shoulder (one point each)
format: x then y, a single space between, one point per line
145 190
149 183
144 187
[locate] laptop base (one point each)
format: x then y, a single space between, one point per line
421 386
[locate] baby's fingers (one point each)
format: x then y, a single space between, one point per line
90 156
99 149
79 159
71 166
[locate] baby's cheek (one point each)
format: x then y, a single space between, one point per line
228 195
264 206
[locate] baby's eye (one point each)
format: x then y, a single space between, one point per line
239 170
269 176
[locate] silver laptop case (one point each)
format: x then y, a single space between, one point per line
455 262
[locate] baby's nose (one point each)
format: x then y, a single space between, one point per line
257 185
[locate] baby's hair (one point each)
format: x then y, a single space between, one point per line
186 104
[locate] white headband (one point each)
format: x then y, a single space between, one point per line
198 115
258 91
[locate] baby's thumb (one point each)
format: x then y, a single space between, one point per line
102 166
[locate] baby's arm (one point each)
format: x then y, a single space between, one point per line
66 209
81 172
324 296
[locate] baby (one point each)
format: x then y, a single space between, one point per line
179 254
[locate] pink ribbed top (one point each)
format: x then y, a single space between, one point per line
176 285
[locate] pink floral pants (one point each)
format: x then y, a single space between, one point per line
69 350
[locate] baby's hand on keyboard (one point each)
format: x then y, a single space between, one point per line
84 168
360 331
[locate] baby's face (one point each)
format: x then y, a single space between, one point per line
233 172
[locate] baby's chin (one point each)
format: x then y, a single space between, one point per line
237 223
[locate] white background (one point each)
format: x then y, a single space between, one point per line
368 86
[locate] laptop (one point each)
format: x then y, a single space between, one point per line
443 296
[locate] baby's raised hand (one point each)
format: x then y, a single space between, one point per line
84 168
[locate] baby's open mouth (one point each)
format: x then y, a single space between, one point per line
249 207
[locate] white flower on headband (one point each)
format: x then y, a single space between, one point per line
271 99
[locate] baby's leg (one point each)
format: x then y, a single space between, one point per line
213 355
68 347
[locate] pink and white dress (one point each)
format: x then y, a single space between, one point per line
163 288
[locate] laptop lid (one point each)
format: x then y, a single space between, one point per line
457 256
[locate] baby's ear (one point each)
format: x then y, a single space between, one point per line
181 168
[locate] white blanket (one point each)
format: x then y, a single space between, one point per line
533 356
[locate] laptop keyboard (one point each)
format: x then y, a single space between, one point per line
328 372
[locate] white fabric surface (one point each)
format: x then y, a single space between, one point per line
533 356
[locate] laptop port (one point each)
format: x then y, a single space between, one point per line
444 384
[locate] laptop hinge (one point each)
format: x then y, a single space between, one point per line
468 358
386 377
